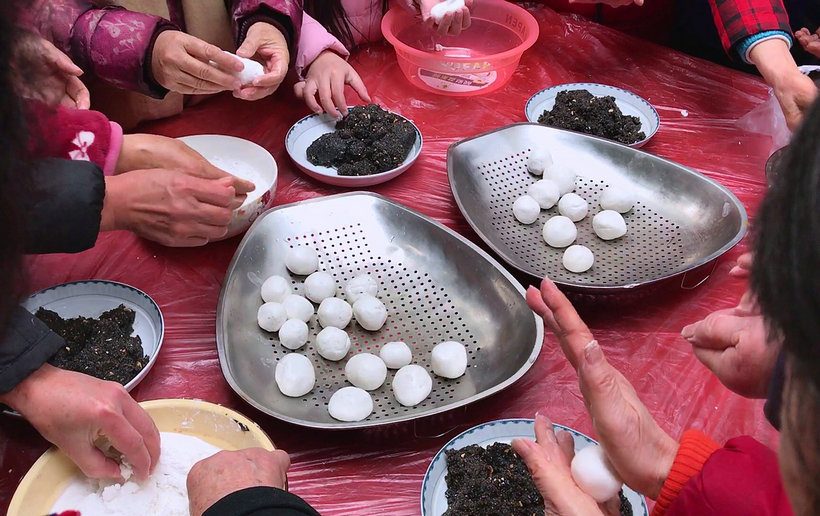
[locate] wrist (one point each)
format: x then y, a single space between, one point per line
667 451
773 60
111 217
18 398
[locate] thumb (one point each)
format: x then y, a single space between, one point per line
299 89
94 463
247 49
717 361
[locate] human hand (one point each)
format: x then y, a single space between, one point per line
226 472
809 41
74 410
611 3
186 64
639 450
743 268
795 93
452 23
63 77
327 76
268 44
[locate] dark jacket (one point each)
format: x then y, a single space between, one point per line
261 501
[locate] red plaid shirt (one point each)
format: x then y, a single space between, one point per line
739 19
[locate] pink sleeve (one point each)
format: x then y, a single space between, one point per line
114 149
314 40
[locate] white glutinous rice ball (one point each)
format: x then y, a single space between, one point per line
396 355
350 404
302 260
578 258
617 198
332 343
334 312
293 334
609 225
539 161
594 475
298 307
573 206
545 192
449 359
559 231
366 371
447 6
526 209
275 289
271 316
563 177
370 313
411 385
295 375
319 286
359 286
252 69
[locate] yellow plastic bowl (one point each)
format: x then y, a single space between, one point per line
217 425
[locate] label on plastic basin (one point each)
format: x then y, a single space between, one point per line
459 83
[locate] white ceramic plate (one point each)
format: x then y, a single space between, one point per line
307 130
628 102
243 159
434 486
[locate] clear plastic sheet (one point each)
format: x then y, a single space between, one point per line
380 471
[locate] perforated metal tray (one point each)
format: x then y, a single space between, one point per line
436 285
681 221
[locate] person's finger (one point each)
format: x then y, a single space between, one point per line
248 48
211 215
217 192
93 462
717 331
143 424
326 99
467 20
197 86
337 92
299 89
310 96
544 433
56 59
566 443
355 82
207 53
210 76
242 186
572 332
78 92
455 25
128 441
598 380
720 361
253 93
443 25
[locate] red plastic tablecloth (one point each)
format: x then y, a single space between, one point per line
380 471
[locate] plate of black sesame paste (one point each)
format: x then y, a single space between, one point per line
366 147
596 109
478 472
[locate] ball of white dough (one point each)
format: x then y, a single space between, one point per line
545 192
449 359
618 199
275 288
396 355
319 286
350 404
539 161
411 385
332 343
609 225
594 475
359 286
563 177
295 375
271 316
448 6
293 334
370 313
526 209
298 307
252 69
334 312
578 258
573 206
366 371
302 260
559 231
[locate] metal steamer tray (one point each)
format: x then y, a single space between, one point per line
682 219
435 284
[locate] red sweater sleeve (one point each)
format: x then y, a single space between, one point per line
739 19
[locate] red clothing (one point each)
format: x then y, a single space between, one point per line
739 19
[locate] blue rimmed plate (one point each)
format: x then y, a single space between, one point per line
628 102
434 486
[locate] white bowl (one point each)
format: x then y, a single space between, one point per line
243 159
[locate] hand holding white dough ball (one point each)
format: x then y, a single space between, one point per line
545 192
559 231
301 260
411 385
449 359
396 355
334 312
275 289
295 375
573 206
252 69
350 404
298 307
370 313
293 334
526 209
616 198
271 316
332 343
594 475
578 258
438 11
563 177
609 225
319 286
539 161
366 371
359 286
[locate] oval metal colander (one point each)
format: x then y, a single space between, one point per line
435 284
681 221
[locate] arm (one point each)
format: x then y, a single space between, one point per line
735 22
27 345
313 40
284 15
259 501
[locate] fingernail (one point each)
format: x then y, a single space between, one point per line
688 332
532 289
593 353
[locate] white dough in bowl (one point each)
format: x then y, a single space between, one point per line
332 343
366 371
295 375
359 286
449 359
526 209
559 231
301 260
370 313
319 286
293 334
252 69
350 404
563 177
447 6
275 288
396 355
609 225
271 316
411 385
573 206
617 198
578 258
545 192
334 312
298 307
539 161
593 474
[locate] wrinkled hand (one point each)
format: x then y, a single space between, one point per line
809 41
73 410
64 77
743 267
795 93
639 450
327 76
451 24
213 478
267 44
186 64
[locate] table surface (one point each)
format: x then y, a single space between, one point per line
382 469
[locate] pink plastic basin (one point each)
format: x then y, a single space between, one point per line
479 60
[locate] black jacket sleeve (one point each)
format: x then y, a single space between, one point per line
775 399
261 501
65 209
27 344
